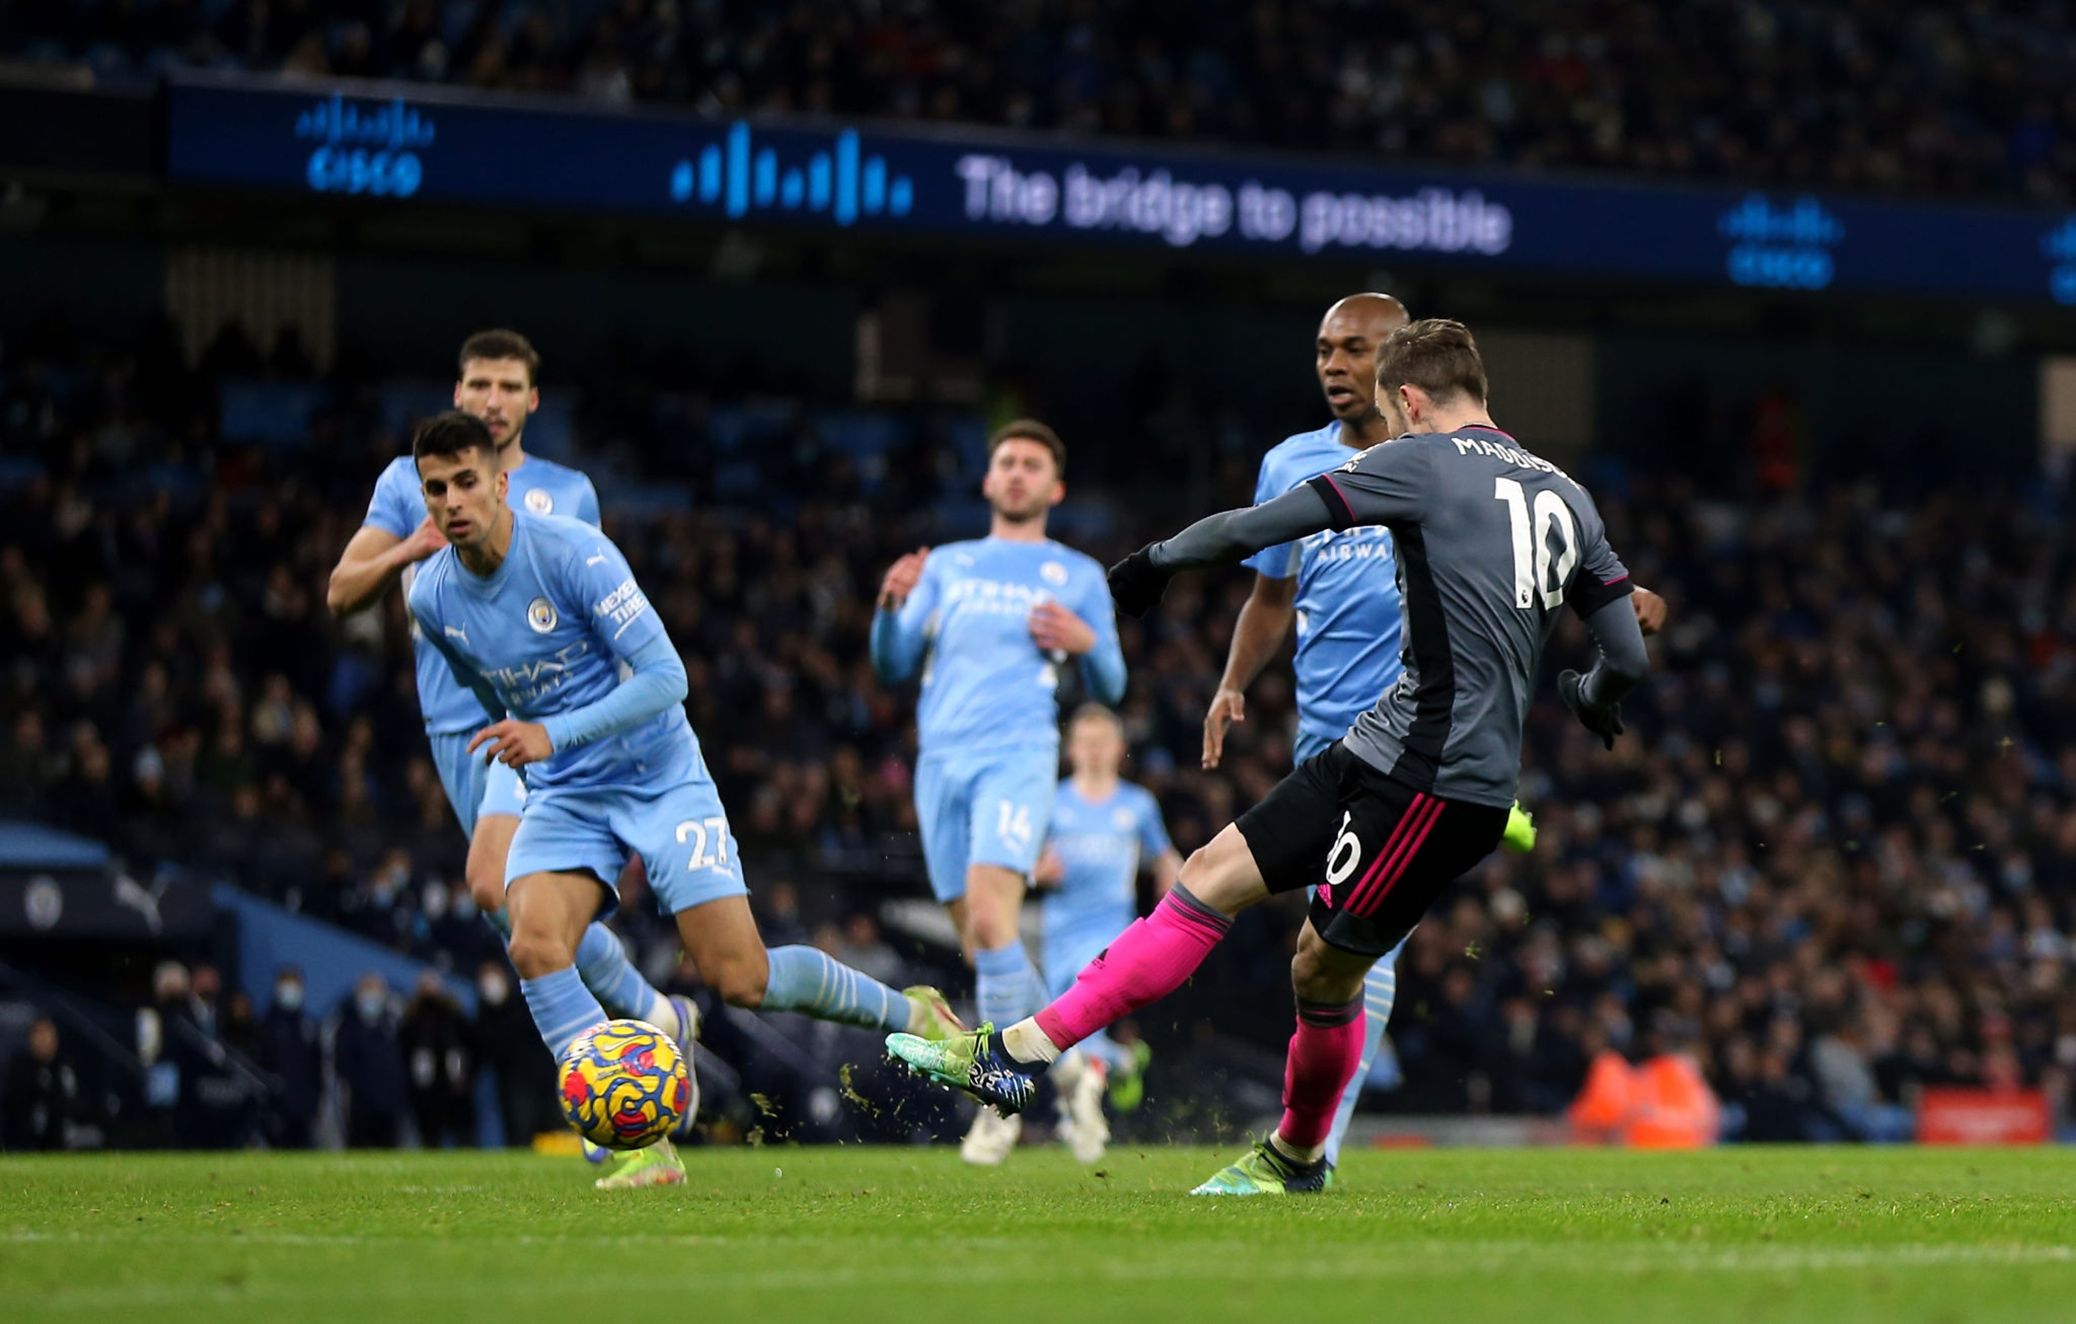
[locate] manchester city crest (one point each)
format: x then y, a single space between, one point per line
540 614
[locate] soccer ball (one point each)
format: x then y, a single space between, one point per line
624 1085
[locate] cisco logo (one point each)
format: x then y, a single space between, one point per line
365 148
1782 248
2059 247
738 176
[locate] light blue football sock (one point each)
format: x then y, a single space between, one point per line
810 981
603 966
1006 984
1379 991
562 1007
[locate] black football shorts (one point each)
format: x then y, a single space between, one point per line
1379 851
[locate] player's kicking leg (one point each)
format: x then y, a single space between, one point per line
1389 851
1148 961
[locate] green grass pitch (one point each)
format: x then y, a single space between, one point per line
865 1235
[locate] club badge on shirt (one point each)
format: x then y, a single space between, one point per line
540 614
539 502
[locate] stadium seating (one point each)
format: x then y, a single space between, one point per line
1921 97
1839 862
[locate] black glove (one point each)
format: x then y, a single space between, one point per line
1603 722
1136 583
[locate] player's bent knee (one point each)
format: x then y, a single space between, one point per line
1320 973
742 985
537 954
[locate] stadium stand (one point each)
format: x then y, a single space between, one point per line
1917 97
1838 866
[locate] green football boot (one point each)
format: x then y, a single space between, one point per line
965 1062
657 1165
1263 1171
928 1006
1520 833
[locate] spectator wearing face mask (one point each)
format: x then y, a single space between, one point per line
290 1048
508 1045
440 1056
368 1063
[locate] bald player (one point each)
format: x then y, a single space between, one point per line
1341 589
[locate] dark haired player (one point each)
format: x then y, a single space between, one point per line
540 617
1339 589
1491 542
496 383
996 618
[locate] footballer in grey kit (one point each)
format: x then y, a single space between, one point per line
1492 542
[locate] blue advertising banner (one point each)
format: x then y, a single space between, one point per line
410 144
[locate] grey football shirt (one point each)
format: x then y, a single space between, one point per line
1492 540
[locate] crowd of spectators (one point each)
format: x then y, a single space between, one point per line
1931 98
1835 860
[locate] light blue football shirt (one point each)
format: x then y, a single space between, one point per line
538 487
1101 845
986 685
1347 594
548 631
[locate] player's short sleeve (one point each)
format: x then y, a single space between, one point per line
1386 484
398 505
587 502
1153 834
602 586
1601 577
1279 561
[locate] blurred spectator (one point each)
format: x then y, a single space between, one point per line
510 1047
39 1094
291 1048
436 1039
368 1063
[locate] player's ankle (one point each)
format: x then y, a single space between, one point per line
1025 1044
1302 1155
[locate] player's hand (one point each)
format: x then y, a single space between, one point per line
1051 870
1227 706
901 579
1056 630
1136 583
513 743
1603 722
424 540
1650 610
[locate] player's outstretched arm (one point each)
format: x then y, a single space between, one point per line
371 563
1138 581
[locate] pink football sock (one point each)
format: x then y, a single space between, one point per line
1146 963
1323 1056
